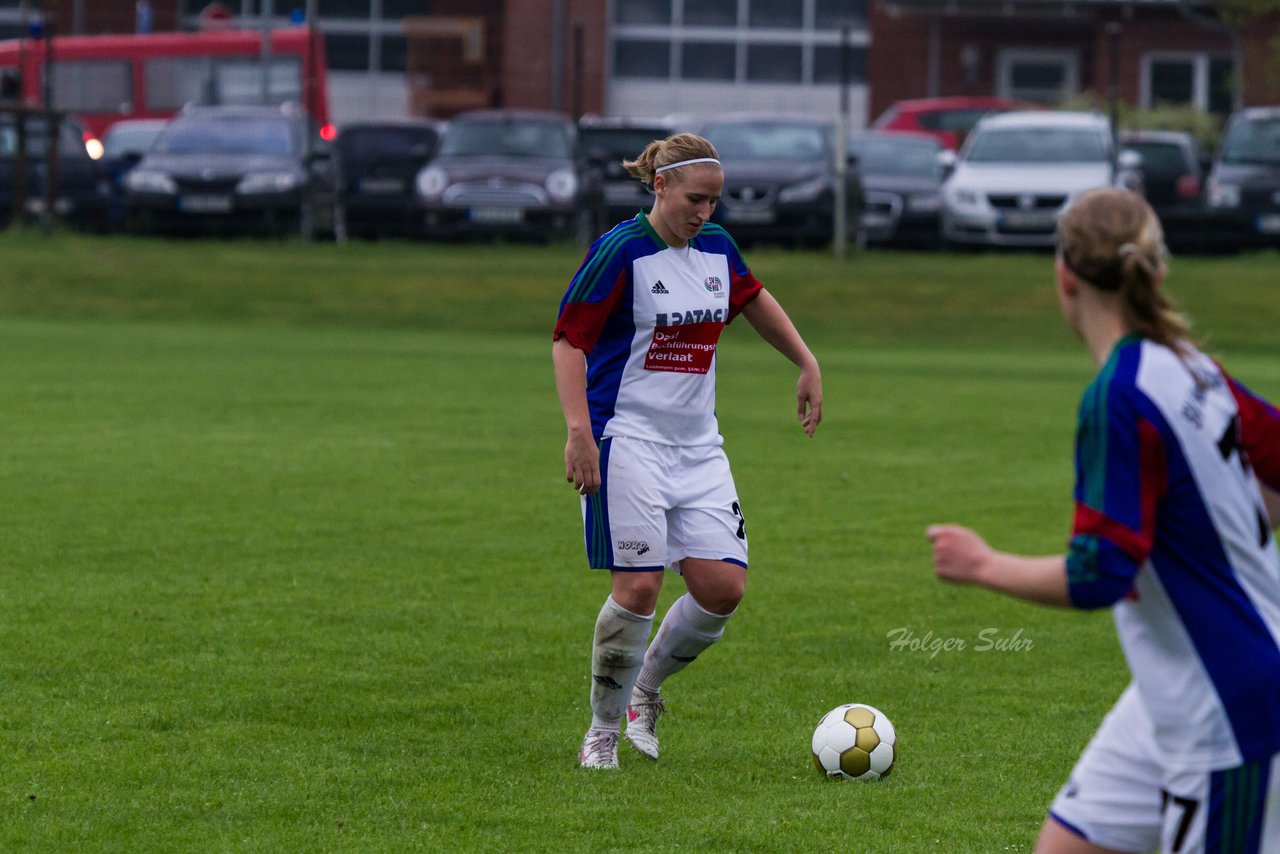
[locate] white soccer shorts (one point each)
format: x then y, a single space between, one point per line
659 504
1121 796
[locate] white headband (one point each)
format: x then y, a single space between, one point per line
686 163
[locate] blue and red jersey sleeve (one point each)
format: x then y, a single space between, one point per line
743 285
593 294
1259 423
1121 475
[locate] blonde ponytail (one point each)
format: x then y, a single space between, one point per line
663 152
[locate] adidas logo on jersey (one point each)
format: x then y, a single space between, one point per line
660 288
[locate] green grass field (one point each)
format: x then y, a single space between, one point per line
289 563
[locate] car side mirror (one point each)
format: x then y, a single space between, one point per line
1129 160
947 160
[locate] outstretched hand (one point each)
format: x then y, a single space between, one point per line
958 553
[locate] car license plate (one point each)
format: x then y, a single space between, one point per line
497 216
381 185
751 217
205 204
1019 219
1269 223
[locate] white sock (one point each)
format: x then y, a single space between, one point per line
686 631
616 656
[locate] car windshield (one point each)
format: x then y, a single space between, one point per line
616 143
509 138
227 136
130 139
768 140
897 154
1162 159
1037 145
1253 141
387 142
36 142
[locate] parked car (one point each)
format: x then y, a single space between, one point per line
1018 171
1173 183
780 180
81 198
948 119
1243 189
123 146
606 143
507 172
238 169
376 163
902 182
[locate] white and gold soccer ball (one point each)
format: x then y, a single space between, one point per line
855 742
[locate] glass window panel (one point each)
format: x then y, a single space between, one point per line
774 63
402 8
171 82
1222 85
711 13
708 61
341 8
831 14
346 52
395 53
93 85
1037 75
642 12
1172 81
636 58
784 14
826 64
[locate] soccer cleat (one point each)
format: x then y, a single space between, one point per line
599 749
642 722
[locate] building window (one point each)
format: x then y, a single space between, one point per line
341 9
1038 76
711 13
776 14
396 9
1203 81
642 12
708 61
832 14
636 58
774 63
345 52
826 64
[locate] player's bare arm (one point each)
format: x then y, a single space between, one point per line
581 456
961 556
770 321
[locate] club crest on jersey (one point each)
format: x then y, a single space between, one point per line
713 284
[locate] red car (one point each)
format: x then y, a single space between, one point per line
948 119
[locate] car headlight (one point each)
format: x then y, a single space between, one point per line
924 202
1223 195
805 191
959 197
431 182
562 185
269 182
150 181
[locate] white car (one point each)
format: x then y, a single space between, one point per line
1018 171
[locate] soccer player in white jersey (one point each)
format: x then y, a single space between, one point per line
635 361
1177 472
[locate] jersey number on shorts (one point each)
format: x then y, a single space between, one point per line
742 520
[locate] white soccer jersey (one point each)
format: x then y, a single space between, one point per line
1170 526
649 316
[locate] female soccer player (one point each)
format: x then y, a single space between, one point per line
1177 467
635 358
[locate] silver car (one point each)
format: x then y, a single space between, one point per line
1018 171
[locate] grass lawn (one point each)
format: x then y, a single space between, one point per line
288 562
